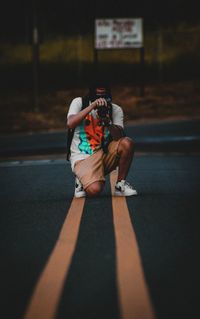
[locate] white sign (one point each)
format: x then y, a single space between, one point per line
118 33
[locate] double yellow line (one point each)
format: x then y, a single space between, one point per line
134 299
133 293
48 290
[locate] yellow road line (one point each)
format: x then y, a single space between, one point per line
134 299
46 295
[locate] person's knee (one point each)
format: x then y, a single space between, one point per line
126 145
94 189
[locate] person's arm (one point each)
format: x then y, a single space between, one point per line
75 119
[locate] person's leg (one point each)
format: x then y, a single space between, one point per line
120 154
126 152
90 173
94 188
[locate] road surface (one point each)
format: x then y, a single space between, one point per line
98 257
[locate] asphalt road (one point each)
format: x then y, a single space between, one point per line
165 136
35 199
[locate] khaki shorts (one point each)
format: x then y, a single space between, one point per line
95 167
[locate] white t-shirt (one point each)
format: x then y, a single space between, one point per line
88 134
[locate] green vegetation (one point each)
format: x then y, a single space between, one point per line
162 46
172 69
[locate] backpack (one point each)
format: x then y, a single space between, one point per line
70 131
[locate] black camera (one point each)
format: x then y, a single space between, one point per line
103 112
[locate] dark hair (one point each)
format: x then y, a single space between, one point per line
96 85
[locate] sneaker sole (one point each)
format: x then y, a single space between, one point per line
120 194
79 195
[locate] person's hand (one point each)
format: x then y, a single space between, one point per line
99 102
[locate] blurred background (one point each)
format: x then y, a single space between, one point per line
47 58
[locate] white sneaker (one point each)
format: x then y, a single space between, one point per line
79 191
123 188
